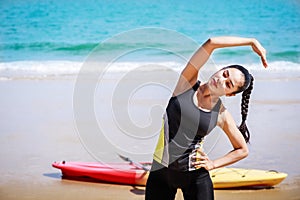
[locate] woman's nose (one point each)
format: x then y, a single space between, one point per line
223 79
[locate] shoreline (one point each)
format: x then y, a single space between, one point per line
45 132
51 188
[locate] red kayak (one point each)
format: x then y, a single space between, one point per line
134 173
121 173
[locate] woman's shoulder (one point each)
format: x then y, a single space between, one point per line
184 86
224 115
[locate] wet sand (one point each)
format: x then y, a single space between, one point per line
37 128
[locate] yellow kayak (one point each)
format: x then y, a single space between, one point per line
237 177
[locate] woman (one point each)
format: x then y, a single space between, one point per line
193 111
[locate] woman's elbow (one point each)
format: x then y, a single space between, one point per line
209 45
244 152
212 42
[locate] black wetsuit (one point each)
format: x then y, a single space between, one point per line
184 126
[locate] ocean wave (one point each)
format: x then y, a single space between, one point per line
78 47
286 55
78 51
48 46
44 69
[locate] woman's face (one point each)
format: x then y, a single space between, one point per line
226 81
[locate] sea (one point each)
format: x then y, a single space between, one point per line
55 37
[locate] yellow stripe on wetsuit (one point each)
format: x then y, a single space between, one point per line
161 154
159 150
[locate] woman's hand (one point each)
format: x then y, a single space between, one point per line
202 160
258 48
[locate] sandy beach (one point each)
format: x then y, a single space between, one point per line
37 128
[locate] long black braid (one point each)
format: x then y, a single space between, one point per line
244 111
246 89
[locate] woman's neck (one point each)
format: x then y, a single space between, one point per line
205 99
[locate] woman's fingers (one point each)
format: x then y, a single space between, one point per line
264 61
198 162
201 152
200 158
264 58
202 161
260 50
206 165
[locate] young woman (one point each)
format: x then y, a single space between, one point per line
193 111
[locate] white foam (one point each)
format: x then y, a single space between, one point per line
23 69
277 66
44 69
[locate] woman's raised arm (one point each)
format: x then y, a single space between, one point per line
189 75
227 41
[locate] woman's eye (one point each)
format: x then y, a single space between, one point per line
225 74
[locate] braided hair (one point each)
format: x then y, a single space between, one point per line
244 111
246 89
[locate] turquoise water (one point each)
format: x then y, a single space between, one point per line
69 30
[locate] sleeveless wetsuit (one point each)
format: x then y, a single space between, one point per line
184 126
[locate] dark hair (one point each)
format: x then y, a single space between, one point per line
246 89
